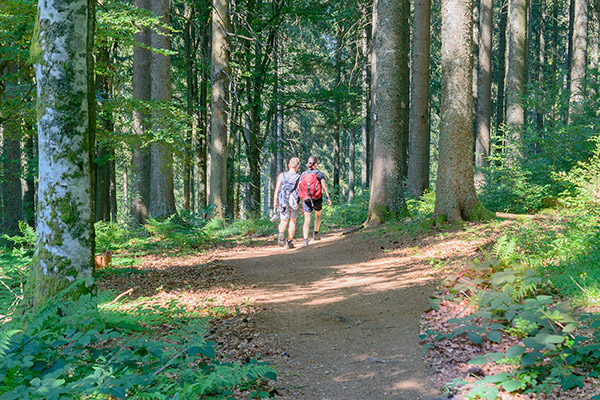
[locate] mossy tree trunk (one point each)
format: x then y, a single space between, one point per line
65 230
389 79
456 199
220 77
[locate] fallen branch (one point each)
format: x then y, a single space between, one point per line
128 291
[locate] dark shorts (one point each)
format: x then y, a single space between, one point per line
310 205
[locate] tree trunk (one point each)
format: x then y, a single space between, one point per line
351 162
338 111
102 161
140 173
418 151
455 196
65 229
515 75
578 62
220 107
501 70
484 88
29 148
594 43
189 60
390 30
12 201
162 198
365 107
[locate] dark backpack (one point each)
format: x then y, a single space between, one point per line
289 180
309 186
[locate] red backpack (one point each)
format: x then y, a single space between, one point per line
309 186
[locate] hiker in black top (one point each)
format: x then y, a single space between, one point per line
314 201
286 189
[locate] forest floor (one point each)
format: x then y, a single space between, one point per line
339 319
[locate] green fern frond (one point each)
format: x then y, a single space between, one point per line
5 337
505 248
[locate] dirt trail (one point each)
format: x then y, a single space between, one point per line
346 313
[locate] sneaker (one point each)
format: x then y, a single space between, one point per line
316 236
305 242
289 244
280 239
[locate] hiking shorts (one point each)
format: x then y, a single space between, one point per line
309 205
286 213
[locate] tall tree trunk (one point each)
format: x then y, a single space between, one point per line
351 162
594 43
455 196
484 88
338 110
541 64
12 201
162 198
501 70
140 204
515 74
365 106
578 62
65 230
190 103
102 161
418 151
390 30
220 106
29 148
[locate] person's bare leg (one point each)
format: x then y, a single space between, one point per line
282 225
317 220
292 229
306 225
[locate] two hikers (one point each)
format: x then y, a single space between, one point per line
307 188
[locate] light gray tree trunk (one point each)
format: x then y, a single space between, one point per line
220 77
594 42
500 71
65 230
515 74
162 199
140 173
484 88
580 45
418 150
455 196
389 61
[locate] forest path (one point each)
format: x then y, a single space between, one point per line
346 311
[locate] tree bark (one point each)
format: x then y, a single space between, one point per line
578 62
220 107
501 69
102 161
418 151
162 198
351 162
484 88
338 111
30 165
65 230
455 196
140 173
365 107
12 201
594 43
515 75
390 30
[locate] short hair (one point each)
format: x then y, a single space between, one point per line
312 160
294 162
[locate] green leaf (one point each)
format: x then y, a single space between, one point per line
117 391
554 339
529 358
511 385
493 336
515 351
475 338
479 360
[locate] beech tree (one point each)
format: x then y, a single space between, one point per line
456 199
580 46
515 73
65 231
220 78
389 79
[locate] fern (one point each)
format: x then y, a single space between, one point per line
5 337
505 248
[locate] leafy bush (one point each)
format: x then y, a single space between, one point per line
73 349
110 236
349 214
